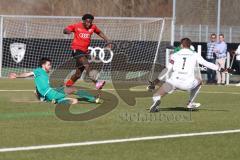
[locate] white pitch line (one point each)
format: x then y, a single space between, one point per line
16 90
213 92
88 143
220 92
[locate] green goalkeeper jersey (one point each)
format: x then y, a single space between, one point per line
41 80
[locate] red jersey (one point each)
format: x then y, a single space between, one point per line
82 36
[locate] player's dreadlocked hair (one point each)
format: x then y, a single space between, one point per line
43 61
87 16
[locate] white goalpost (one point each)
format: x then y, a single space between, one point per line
138 45
1 44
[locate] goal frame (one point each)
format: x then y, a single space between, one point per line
2 17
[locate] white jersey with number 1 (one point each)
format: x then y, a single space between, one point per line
183 65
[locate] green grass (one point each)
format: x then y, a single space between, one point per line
26 123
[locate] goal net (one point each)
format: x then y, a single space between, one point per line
138 51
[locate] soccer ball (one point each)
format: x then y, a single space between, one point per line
97 100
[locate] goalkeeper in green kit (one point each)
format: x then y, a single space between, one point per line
45 92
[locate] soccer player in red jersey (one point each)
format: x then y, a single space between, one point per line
82 39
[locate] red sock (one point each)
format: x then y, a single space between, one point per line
69 83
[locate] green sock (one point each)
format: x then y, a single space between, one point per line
85 95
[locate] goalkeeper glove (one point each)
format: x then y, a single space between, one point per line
230 70
222 70
151 86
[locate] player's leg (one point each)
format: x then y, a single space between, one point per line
192 85
93 76
238 66
68 100
74 77
209 76
85 63
209 73
58 95
39 96
55 95
162 91
217 72
214 73
238 70
196 86
84 95
77 54
223 75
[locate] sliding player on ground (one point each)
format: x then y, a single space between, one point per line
182 65
82 38
45 92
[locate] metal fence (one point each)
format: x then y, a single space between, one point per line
201 33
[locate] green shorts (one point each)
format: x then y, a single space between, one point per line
56 94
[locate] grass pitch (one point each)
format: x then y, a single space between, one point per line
26 122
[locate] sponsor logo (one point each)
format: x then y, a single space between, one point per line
99 55
84 35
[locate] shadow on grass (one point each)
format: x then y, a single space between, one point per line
194 110
178 109
215 110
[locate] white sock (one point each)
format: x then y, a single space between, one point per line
156 98
193 93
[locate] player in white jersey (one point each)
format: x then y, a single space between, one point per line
182 66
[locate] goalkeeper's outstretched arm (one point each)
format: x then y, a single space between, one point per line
209 65
20 75
161 76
